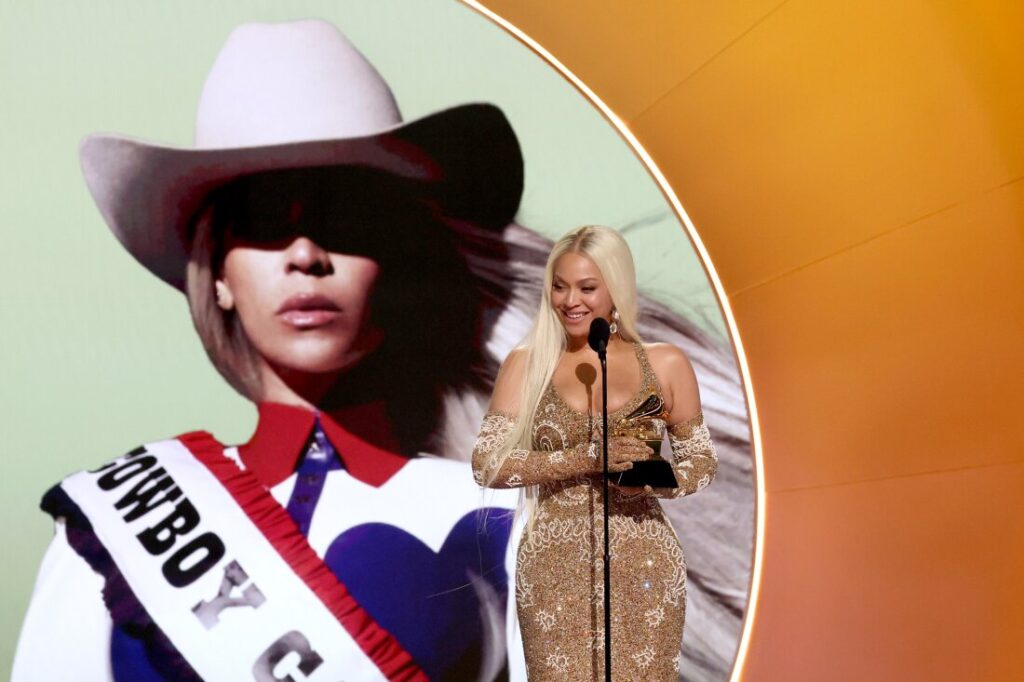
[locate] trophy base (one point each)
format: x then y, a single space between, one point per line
656 473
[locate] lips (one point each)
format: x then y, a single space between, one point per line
307 311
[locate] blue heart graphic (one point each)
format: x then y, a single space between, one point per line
425 599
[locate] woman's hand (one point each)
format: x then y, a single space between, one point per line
624 450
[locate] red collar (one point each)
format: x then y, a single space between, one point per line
283 430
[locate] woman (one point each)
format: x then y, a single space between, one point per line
542 432
312 232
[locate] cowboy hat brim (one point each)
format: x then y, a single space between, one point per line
467 157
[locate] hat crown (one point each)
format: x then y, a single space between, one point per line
279 83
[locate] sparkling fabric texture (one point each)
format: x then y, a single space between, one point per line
559 568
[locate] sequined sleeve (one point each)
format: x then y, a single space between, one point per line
694 460
525 467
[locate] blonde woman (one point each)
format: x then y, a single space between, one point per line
542 433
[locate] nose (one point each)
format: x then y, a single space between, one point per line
306 256
570 298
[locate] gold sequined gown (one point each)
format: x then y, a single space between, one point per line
559 568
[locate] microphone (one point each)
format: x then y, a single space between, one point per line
598 340
598 336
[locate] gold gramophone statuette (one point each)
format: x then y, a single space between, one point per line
645 423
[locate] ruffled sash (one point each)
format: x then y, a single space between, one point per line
200 560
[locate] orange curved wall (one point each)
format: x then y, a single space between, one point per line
856 172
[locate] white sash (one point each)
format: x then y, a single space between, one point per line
208 576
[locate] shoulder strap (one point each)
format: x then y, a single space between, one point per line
650 379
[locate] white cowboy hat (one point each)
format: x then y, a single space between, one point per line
290 96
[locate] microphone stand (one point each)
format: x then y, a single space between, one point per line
602 355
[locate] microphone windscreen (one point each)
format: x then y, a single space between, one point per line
599 333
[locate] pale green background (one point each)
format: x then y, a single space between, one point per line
98 356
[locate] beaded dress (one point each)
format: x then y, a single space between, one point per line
559 567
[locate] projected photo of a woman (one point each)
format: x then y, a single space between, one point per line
310 235
359 279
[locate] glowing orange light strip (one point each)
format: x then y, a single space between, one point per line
723 300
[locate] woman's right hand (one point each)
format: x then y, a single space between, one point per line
624 450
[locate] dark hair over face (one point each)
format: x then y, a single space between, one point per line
425 302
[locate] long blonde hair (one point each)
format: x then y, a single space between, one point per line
545 342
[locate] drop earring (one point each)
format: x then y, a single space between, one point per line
614 326
223 297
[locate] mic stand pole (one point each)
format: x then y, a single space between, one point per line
603 357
